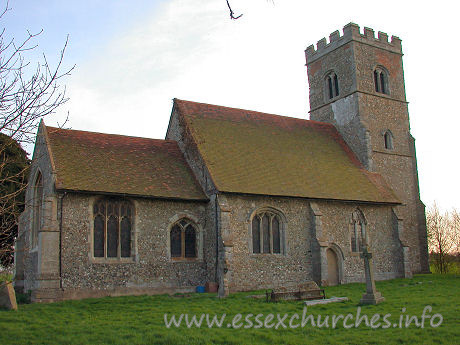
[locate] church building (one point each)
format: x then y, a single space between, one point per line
244 199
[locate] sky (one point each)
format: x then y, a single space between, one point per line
133 57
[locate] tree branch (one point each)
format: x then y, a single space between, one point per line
232 15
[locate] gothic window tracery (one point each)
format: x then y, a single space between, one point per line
266 233
183 240
113 221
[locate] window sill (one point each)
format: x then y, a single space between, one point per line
384 94
266 254
130 260
331 100
190 260
357 254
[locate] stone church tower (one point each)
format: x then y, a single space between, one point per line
357 83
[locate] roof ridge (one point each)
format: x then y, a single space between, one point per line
109 134
326 124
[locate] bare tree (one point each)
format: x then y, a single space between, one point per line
443 236
456 230
27 95
13 177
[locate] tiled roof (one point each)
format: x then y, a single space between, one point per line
256 153
97 162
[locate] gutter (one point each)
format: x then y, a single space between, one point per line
364 202
92 192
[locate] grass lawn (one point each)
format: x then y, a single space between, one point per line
140 320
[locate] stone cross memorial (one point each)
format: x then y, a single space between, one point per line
372 296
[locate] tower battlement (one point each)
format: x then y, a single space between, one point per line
351 32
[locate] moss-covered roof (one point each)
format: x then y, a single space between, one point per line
257 153
108 163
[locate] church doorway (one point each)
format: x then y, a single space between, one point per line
332 267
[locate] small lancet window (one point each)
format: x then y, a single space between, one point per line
376 81
37 209
358 231
382 83
336 85
331 91
381 80
332 85
388 140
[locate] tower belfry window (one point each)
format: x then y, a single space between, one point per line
381 80
336 85
382 83
332 85
329 83
376 81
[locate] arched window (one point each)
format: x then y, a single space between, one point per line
37 209
388 140
332 85
267 233
358 231
113 221
183 240
381 80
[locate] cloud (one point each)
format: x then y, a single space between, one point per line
191 50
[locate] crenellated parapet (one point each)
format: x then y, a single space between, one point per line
351 32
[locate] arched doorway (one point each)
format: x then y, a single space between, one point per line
332 267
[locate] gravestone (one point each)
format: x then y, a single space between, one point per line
7 296
372 296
